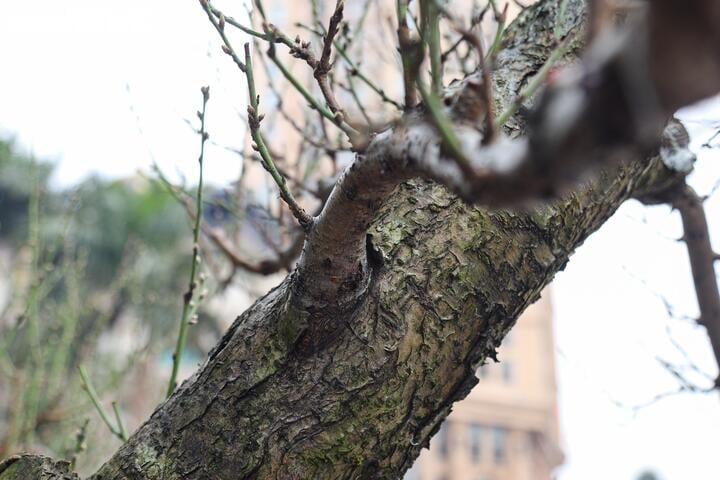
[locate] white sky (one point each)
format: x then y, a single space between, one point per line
105 87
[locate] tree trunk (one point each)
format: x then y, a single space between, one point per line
31 467
362 397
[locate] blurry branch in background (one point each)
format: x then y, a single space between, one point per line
75 283
355 71
675 153
702 262
430 32
708 143
224 244
118 427
410 50
35 345
190 303
500 19
80 443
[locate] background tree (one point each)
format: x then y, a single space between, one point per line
403 288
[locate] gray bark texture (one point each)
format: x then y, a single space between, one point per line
36 467
346 369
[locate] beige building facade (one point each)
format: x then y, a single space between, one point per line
507 427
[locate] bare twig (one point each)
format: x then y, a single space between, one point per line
219 23
485 74
116 429
444 127
189 305
408 53
501 19
254 120
430 22
702 258
323 67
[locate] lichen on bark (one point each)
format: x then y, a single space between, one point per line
35 467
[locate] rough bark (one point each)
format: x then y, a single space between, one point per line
362 399
31 467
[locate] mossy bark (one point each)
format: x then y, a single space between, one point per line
362 397
35 467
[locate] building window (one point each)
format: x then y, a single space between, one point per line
475 433
440 441
499 444
507 372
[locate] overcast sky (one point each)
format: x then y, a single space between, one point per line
106 87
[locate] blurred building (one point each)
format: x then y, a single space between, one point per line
507 427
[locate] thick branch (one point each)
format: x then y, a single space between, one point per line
26 467
359 396
702 259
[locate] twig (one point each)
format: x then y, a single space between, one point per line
485 66
119 430
119 420
254 120
500 18
430 21
188 305
80 443
219 24
408 53
444 128
355 71
353 135
31 397
708 143
702 258
323 67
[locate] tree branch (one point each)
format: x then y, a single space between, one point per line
590 116
702 262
